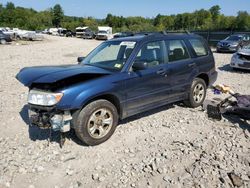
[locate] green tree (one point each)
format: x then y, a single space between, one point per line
57 15
215 12
10 6
243 20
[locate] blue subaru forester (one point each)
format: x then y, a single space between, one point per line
120 78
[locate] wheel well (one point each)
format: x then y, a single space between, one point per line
111 98
204 77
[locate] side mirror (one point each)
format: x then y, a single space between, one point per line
139 65
80 59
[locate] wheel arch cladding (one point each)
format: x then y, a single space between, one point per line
204 77
109 97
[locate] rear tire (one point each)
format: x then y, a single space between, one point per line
96 122
197 93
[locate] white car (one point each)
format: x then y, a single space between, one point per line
7 31
241 59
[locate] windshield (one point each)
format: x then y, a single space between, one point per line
234 38
80 30
246 47
110 55
103 32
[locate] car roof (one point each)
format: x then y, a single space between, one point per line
150 36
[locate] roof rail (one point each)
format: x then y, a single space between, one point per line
177 31
163 32
146 33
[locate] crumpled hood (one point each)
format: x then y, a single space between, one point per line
244 52
53 74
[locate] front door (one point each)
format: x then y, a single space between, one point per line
147 88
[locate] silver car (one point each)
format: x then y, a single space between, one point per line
241 59
232 43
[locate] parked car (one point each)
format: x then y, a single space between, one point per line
28 35
88 34
123 34
120 78
104 33
45 31
241 59
80 31
7 31
62 32
70 33
53 31
232 43
4 38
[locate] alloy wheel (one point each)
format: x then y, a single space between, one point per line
100 123
198 93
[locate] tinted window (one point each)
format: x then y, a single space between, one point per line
177 50
198 47
152 53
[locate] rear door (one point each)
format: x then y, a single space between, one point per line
180 67
202 55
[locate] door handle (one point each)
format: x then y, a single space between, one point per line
161 72
191 64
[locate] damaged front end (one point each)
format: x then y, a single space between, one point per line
53 92
45 119
42 112
50 118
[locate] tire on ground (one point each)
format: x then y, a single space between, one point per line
190 102
82 119
2 41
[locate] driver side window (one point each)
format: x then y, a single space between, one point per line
152 54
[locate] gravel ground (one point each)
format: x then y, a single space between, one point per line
172 146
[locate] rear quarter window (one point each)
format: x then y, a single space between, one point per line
199 47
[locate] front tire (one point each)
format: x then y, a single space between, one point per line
2 41
197 93
96 122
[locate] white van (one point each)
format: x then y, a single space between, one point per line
104 33
80 31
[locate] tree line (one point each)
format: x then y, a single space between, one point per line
211 19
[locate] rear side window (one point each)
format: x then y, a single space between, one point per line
198 47
177 50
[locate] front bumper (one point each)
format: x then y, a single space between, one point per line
227 48
46 118
87 36
102 37
239 64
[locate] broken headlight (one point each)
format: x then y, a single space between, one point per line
44 98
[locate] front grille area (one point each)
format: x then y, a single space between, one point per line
244 57
245 65
225 44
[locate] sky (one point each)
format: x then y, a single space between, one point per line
145 8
